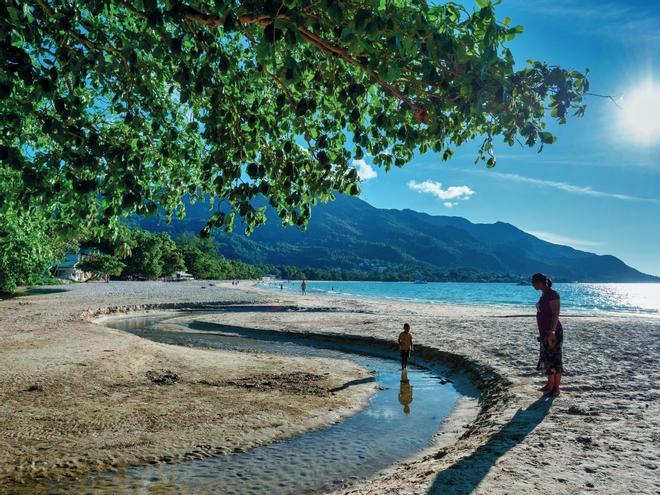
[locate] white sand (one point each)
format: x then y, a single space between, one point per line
602 435
78 396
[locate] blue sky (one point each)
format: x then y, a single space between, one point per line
598 187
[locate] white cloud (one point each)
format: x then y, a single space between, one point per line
570 188
434 188
560 239
365 171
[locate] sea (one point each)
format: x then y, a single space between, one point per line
639 299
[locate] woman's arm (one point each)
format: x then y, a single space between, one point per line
554 310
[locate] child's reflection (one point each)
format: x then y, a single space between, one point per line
405 392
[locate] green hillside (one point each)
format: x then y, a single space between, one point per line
349 238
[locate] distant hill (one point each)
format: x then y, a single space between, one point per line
351 236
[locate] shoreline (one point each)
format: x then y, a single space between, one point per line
579 313
600 434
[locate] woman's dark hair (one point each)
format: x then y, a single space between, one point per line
543 278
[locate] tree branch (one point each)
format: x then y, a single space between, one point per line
212 20
604 96
132 9
319 42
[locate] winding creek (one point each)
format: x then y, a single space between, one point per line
400 420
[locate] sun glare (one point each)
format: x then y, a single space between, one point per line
640 117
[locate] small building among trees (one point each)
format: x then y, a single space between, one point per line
68 268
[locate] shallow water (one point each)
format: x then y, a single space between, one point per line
641 299
400 420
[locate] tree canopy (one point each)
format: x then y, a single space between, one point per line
29 241
204 261
101 264
109 107
138 253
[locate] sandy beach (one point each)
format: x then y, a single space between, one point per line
77 395
600 436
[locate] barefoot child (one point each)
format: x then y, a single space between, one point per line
405 345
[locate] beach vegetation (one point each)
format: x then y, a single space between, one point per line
147 255
204 261
29 238
25 250
101 264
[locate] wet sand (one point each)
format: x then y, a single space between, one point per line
78 396
600 436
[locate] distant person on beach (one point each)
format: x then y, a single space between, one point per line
303 287
551 333
405 345
281 286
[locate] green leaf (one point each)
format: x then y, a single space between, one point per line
547 137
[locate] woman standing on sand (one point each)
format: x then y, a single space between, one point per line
551 333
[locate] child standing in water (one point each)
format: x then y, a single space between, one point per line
405 345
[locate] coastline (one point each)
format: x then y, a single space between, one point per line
599 436
572 311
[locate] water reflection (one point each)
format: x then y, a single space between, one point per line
405 392
322 460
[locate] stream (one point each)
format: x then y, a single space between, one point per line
400 420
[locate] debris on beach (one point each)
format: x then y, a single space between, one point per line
299 383
163 377
580 411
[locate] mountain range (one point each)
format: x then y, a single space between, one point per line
350 237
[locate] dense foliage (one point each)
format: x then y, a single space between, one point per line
110 107
204 261
25 249
101 264
147 256
29 240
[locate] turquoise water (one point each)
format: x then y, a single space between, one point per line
618 298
